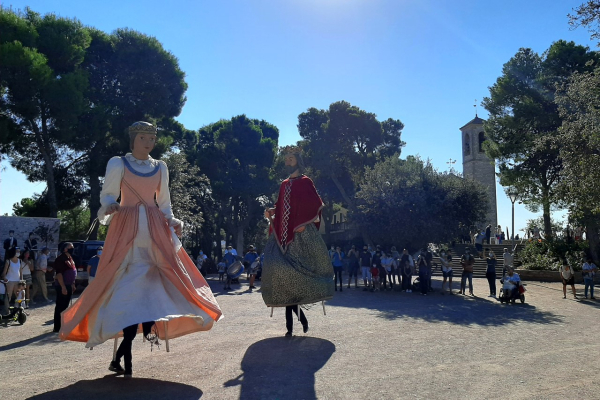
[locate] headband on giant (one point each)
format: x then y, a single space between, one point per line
142 127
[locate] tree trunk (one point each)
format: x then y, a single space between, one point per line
45 149
94 200
547 220
591 231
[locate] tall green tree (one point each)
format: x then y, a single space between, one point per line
340 142
579 102
524 120
237 156
131 78
42 85
408 203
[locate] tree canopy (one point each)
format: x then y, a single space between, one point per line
524 120
408 203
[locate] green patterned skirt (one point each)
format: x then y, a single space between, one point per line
303 275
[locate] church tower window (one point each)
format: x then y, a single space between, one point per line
467 145
481 140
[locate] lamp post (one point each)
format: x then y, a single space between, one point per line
513 195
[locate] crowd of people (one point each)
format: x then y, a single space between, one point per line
374 269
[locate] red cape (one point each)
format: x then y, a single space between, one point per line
305 208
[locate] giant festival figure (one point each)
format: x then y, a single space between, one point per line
297 270
145 277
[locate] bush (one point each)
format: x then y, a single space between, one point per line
548 255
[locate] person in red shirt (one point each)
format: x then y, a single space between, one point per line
64 281
297 269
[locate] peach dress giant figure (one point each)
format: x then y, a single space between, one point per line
144 273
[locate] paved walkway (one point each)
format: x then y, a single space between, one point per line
385 345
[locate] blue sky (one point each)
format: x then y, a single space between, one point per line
424 62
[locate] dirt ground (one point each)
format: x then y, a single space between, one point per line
385 345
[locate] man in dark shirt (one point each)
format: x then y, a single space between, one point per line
11 242
64 282
365 267
31 243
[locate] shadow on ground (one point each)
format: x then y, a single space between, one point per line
111 387
283 367
37 340
454 309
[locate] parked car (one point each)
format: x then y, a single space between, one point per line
82 252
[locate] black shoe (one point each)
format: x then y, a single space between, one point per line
305 328
128 374
115 366
288 334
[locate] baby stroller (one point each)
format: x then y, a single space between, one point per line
16 313
508 294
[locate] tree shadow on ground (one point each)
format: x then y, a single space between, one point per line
454 309
112 387
282 368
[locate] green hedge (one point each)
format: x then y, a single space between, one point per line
548 255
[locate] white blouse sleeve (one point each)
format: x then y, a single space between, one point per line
163 197
111 189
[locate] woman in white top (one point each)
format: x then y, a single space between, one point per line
568 278
446 261
26 271
12 274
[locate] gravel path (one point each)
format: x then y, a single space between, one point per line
385 345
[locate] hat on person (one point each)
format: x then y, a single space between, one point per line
251 247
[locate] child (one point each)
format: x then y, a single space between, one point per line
221 270
375 278
20 302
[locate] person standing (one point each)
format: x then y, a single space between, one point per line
200 262
249 258
507 261
353 266
446 262
395 265
407 264
337 260
568 278
488 234
12 274
297 269
92 266
365 267
10 242
589 270
479 238
26 274
490 272
467 261
423 273
64 282
387 263
31 244
229 259
429 260
39 275
376 262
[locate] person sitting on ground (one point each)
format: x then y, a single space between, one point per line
568 278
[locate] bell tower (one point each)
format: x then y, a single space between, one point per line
478 166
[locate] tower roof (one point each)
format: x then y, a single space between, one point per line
474 121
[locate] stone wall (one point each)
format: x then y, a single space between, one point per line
46 231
